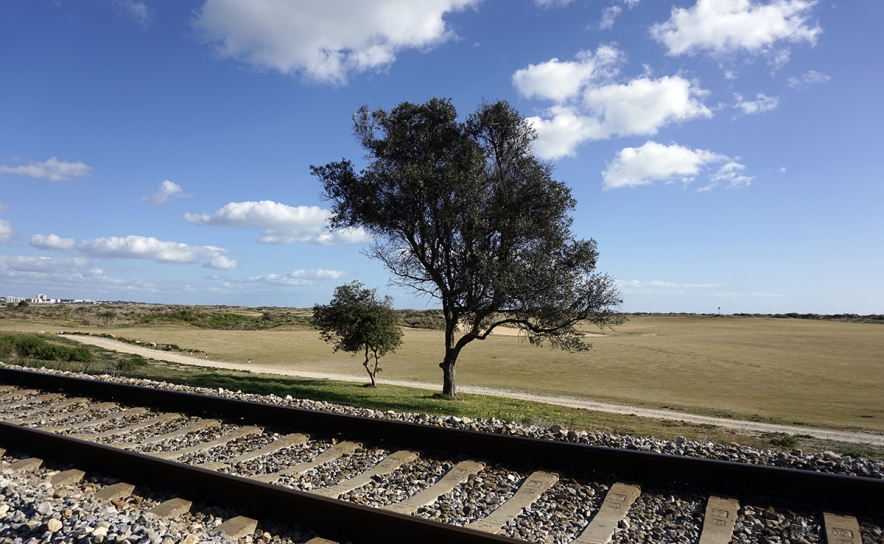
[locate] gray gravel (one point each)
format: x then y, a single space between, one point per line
336 471
475 498
562 512
279 460
33 510
189 439
409 479
781 524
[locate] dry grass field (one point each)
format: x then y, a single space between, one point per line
817 373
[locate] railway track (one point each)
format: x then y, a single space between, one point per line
367 480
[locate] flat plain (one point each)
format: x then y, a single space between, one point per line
794 371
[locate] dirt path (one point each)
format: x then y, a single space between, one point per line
570 402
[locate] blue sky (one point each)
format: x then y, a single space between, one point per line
723 153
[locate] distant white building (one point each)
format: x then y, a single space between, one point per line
14 299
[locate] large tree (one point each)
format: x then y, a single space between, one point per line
464 212
356 320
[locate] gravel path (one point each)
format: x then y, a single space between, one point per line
569 402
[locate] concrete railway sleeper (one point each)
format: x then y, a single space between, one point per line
390 489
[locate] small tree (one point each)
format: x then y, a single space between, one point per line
356 320
462 211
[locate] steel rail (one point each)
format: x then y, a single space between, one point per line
328 517
826 490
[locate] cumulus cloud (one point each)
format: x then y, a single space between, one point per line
52 170
761 103
562 80
299 277
608 16
166 190
549 3
722 27
221 263
811 77
282 224
590 104
636 166
144 247
52 241
324 40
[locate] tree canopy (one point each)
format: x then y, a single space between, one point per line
356 320
462 211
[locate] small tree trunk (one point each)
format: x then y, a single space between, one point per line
368 368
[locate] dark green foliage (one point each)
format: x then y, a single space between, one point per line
464 212
423 319
31 347
356 320
857 452
784 441
23 304
132 363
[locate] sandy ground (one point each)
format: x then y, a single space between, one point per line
570 402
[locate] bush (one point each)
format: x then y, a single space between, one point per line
856 453
784 441
37 348
81 355
131 363
7 345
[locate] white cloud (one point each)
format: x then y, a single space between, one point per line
548 3
282 224
721 27
633 167
135 10
809 78
143 247
6 231
11 265
588 104
166 190
783 169
631 3
325 40
52 170
761 103
608 16
221 263
657 287
561 81
52 241
299 277
731 175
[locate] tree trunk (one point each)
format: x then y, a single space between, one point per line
368 368
449 365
